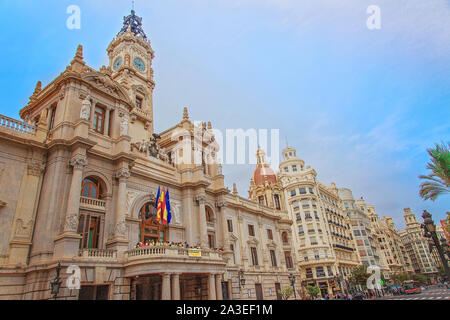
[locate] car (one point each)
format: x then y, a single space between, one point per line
358 296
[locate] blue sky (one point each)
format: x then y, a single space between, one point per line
360 106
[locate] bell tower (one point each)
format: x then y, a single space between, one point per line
130 60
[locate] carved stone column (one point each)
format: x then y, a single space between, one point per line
224 230
67 243
211 287
119 241
165 290
202 221
219 287
176 286
78 162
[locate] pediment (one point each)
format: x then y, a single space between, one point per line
105 83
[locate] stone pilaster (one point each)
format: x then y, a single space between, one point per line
211 287
202 221
165 292
119 241
176 286
67 243
219 287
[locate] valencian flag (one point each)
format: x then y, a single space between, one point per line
163 214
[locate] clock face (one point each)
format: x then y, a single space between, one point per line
139 64
117 63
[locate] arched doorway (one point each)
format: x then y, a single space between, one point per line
149 228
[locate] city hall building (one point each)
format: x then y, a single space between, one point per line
79 177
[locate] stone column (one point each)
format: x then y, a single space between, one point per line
202 221
107 115
119 241
211 287
219 287
67 243
73 203
176 286
91 116
165 294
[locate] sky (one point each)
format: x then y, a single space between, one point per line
360 106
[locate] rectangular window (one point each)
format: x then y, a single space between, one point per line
316 254
357 233
99 119
295 205
300 230
298 217
293 193
320 272
273 258
254 256
262 200
302 190
288 258
211 241
139 102
230 225
89 229
251 230
294 168
52 118
311 191
269 234
276 199
330 272
309 273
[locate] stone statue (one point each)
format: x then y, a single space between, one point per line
124 126
85 109
153 148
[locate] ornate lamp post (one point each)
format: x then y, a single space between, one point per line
292 279
430 232
55 284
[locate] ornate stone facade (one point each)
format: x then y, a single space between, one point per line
86 196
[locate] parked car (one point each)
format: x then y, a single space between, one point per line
359 296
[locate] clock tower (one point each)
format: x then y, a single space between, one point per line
130 60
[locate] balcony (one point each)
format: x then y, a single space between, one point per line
98 254
16 125
164 252
93 204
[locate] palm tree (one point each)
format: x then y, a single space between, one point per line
438 181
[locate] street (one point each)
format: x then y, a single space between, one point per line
428 294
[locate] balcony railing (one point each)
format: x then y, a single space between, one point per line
164 251
93 203
16 125
101 254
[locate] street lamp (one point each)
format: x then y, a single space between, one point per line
55 284
292 278
241 279
430 232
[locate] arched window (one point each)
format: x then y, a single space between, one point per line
149 228
284 237
92 188
209 215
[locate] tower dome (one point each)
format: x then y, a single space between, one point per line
263 171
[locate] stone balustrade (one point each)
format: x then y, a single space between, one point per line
16 125
102 254
92 203
169 251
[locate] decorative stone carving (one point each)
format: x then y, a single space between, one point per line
221 203
85 109
176 209
71 223
120 229
141 146
131 195
124 126
200 199
22 229
123 173
35 168
78 161
153 147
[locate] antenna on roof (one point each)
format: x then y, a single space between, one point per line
132 5
287 143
